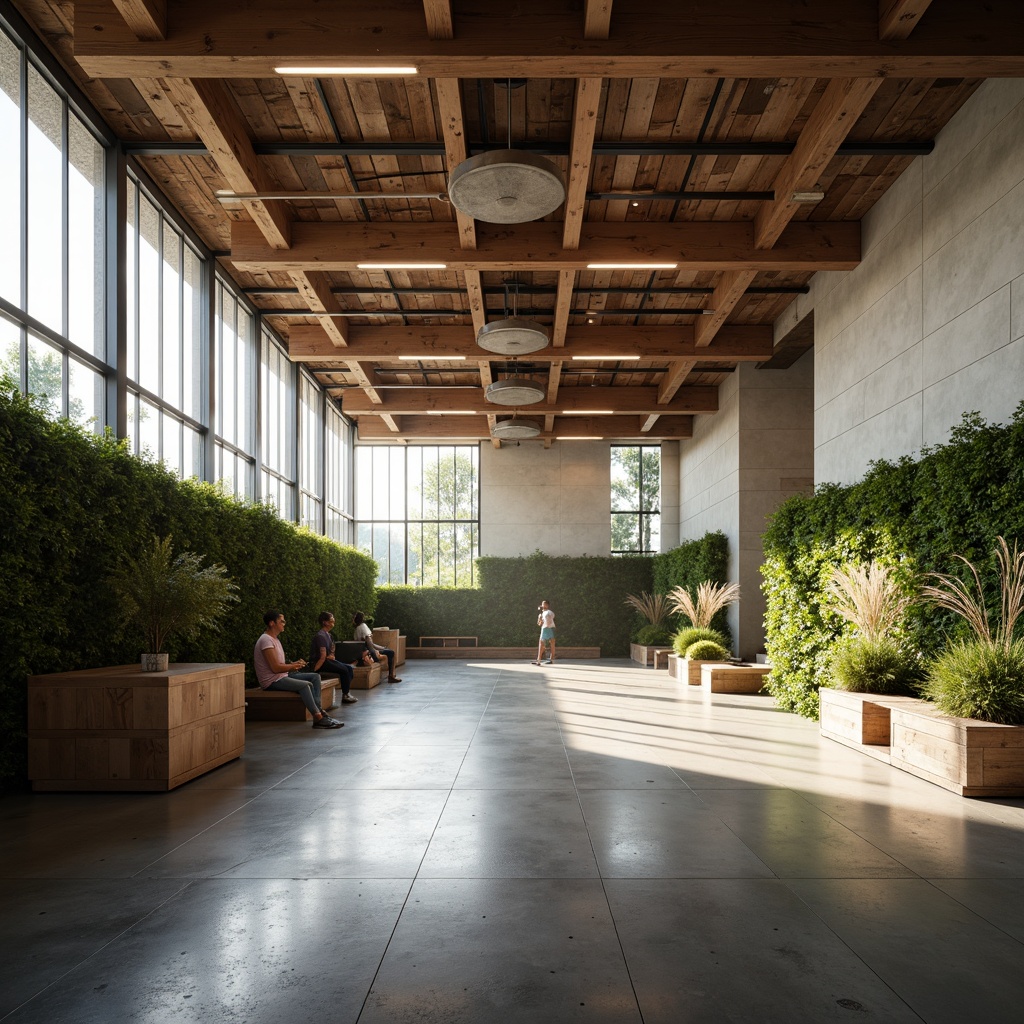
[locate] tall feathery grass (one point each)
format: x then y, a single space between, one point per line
982 677
653 607
710 599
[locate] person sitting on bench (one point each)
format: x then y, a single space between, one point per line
322 658
274 673
364 634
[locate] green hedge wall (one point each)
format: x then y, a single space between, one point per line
956 499
587 595
71 503
692 563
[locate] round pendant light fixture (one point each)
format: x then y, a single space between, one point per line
506 186
513 336
515 429
516 391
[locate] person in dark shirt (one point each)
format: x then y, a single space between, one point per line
322 659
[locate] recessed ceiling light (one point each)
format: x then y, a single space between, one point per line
632 266
609 359
401 266
317 72
416 359
815 196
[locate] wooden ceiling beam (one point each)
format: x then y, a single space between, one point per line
439 19
679 370
804 246
315 291
571 401
728 39
897 18
211 110
734 343
449 103
597 18
730 288
412 428
581 155
146 18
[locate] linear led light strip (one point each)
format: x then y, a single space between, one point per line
303 69
632 266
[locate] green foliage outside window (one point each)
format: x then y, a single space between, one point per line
636 498
73 503
914 517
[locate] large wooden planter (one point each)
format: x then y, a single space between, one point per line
719 677
688 670
964 755
122 729
859 720
645 655
392 640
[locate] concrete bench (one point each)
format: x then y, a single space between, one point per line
283 706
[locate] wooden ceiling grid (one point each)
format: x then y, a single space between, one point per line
742 73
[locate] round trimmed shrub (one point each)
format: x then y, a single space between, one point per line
654 636
874 666
706 650
977 679
690 635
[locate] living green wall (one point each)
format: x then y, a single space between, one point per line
72 503
914 515
689 565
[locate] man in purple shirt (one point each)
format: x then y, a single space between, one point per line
274 673
322 659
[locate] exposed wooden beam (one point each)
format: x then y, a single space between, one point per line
563 305
211 110
734 343
678 371
449 103
728 39
439 19
315 290
897 18
730 288
581 155
648 424
146 18
475 428
803 246
571 401
597 18
842 102
554 379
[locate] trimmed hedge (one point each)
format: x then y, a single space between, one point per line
71 503
955 500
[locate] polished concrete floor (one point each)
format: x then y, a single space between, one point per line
494 842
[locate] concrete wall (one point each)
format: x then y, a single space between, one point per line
556 500
931 324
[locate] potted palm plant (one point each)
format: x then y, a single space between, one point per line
166 595
700 608
873 667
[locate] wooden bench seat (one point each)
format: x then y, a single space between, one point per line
283 705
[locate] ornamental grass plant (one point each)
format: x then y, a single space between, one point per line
653 607
874 659
710 598
981 677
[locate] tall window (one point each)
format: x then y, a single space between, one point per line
636 498
311 447
277 422
166 398
236 395
418 512
52 208
338 439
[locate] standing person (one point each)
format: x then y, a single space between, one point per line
546 621
364 634
321 657
274 673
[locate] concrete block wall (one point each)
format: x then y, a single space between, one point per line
556 500
931 324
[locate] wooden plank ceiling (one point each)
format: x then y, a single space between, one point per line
682 133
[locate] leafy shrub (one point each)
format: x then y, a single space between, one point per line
689 635
706 650
654 636
972 679
874 665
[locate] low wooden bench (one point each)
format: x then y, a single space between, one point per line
448 641
718 677
283 705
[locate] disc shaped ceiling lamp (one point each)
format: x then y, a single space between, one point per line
515 429
516 391
514 335
506 186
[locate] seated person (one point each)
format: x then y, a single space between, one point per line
364 634
274 673
322 657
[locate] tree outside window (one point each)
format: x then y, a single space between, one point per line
636 498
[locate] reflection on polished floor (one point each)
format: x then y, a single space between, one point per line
494 842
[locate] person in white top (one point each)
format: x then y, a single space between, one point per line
546 621
364 634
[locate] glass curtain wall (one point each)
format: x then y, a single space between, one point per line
636 498
277 426
311 448
418 512
235 374
52 280
339 438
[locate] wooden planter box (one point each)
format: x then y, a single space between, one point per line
366 677
964 755
688 671
647 655
718 677
390 639
122 729
859 720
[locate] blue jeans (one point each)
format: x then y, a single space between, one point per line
344 671
306 685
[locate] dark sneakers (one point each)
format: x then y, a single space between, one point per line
326 722
349 699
